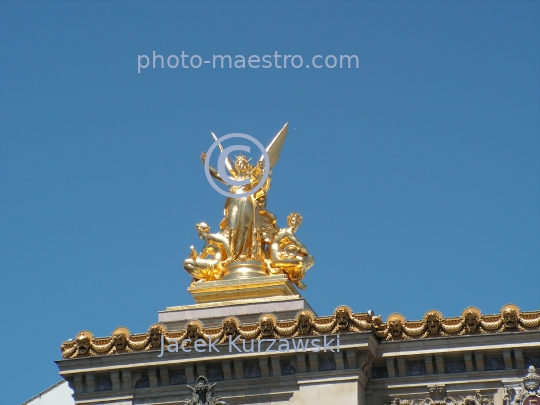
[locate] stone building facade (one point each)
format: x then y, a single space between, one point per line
271 350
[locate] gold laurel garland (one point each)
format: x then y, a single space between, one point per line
529 323
451 329
491 326
86 345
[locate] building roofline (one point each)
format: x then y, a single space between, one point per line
44 392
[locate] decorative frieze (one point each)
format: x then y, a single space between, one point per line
307 324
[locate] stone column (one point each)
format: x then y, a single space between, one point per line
313 362
190 375
276 366
338 358
115 379
351 358
480 365
152 376
467 356
301 361
507 354
126 379
164 373
391 368
401 367
227 371
439 360
90 382
428 359
520 362
238 370
78 385
263 365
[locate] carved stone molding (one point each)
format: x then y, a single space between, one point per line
437 395
307 324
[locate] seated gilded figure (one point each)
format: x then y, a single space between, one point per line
207 265
287 254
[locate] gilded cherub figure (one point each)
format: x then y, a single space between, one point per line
207 265
288 254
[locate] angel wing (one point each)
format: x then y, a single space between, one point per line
274 149
228 163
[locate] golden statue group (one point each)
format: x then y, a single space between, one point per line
249 242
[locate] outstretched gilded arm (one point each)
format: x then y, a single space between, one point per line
213 172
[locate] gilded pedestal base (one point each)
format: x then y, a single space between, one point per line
241 289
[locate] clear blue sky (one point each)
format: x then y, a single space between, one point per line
417 174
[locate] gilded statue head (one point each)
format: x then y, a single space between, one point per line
433 321
155 332
203 228
510 317
120 341
83 343
304 322
229 327
343 318
266 324
471 321
241 165
395 327
193 331
294 220
394 324
120 336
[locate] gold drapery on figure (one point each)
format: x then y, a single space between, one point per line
249 235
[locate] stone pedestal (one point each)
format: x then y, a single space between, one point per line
242 289
246 310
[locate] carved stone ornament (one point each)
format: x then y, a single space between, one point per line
527 394
193 331
510 318
202 394
230 327
471 321
342 318
531 381
155 333
83 343
267 323
437 395
433 321
306 323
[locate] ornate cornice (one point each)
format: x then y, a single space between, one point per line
343 320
